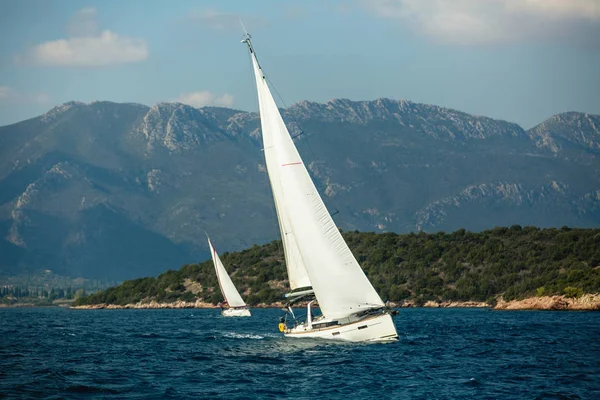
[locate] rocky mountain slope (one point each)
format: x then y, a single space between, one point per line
115 191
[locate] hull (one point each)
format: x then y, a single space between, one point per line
236 312
380 328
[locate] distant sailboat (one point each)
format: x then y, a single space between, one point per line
235 305
319 262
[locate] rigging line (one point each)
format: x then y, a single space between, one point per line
243 27
330 200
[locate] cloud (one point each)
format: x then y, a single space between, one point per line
294 11
205 98
496 21
84 23
583 9
224 21
106 49
11 96
87 47
4 92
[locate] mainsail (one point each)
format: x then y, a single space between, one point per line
229 291
312 242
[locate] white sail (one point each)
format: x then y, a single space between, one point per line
229 291
297 275
340 285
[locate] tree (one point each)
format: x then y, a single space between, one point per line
573 292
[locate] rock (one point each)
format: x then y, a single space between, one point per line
586 302
456 304
147 305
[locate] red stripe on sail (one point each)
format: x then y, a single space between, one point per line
292 163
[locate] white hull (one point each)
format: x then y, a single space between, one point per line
380 328
236 312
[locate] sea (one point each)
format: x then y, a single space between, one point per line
57 353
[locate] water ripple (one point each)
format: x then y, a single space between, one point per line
442 354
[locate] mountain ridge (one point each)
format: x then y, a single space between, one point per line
361 112
173 170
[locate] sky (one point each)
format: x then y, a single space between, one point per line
517 60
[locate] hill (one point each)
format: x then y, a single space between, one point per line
510 262
109 191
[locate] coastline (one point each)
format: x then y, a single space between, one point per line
587 302
156 305
146 305
33 304
442 304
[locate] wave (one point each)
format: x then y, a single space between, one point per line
235 335
158 354
150 335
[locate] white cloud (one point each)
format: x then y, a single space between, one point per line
87 47
11 96
484 21
584 9
205 98
4 91
84 23
42 98
224 21
106 49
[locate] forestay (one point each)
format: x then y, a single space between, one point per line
307 228
229 291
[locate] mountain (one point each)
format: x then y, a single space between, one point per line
568 130
116 191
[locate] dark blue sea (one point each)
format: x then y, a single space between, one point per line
185 354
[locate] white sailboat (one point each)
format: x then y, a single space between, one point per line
235 305
318 259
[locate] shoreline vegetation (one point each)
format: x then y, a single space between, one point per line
587 302
502 268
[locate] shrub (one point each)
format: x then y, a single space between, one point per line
573 292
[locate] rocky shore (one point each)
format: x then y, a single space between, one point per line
154 304
18 305
588 302
446 304
142 305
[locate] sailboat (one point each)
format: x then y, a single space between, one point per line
235 306
320 265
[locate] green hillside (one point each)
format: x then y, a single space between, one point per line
513 262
